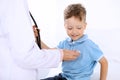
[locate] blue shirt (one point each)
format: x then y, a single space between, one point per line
83 66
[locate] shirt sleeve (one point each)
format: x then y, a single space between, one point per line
96 52
23 48
61 45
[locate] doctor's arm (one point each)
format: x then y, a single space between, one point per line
36 31
23 48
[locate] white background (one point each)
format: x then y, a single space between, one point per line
103 25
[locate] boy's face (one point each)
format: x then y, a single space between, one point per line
74 27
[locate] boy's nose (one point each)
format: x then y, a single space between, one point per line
74 31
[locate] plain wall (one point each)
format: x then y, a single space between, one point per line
103 21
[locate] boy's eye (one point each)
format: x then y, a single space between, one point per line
69 28
79 28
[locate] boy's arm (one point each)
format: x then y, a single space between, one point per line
44 46
104 68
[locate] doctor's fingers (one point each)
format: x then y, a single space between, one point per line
36 31
70 55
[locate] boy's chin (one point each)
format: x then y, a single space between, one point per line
74 39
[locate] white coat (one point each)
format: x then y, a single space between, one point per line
20 56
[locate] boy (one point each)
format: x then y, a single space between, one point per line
81 68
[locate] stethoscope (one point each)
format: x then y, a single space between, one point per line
38 40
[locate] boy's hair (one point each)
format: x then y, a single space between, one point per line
76 10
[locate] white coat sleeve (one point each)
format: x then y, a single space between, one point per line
18 28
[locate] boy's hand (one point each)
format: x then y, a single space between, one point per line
70 55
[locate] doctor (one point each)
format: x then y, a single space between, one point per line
19 54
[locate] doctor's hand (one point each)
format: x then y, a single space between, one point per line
70 55
36 31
